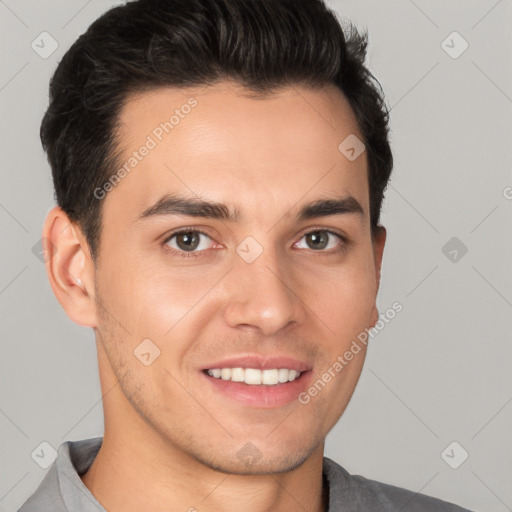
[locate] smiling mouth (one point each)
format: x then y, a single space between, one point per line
255 376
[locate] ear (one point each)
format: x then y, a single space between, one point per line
379 240
70 267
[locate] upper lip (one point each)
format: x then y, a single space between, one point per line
260 362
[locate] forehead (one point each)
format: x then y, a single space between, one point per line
222 143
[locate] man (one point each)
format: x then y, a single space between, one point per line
219 167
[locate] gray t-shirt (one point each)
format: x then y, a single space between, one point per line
62 490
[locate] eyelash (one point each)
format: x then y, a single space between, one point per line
197 254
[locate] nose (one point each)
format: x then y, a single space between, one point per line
262 295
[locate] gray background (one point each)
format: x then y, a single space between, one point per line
439 372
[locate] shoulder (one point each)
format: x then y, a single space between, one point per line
61 485
47 495
355 493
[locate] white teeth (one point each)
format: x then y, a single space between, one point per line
237 374
255 377
292 375
282 375
252 376
270 377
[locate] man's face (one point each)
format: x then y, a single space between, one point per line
269 289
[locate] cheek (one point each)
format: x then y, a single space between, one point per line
156 300
342 297
169 296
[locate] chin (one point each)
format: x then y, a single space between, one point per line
257 466
256 457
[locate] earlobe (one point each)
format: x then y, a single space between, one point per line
374 318
379 242
378 251
69 267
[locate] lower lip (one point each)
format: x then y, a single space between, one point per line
261 395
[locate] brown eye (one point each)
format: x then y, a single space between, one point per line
317 239
321 239
189 241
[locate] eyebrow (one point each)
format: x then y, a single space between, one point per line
176 204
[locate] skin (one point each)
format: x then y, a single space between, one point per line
171 440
